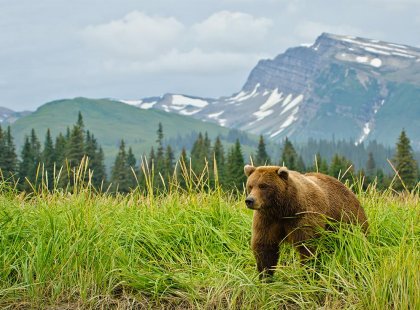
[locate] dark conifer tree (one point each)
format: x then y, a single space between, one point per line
300 165
289 157
96 160
198 157
160 156
121 171
48 158
99 169
26 169
262 157
339 166
370 167
405 163
76 144
30 159
169 161
235 177
132 170
60 150
10 161
321 164
152 158
219 158
183 162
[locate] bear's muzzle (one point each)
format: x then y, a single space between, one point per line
250 202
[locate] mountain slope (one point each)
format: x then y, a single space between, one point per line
341 87
110 121
8 116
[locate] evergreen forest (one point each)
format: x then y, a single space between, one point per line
54 163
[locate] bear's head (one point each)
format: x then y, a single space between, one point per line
266 186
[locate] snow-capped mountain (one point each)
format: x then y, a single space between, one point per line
8 116
340 86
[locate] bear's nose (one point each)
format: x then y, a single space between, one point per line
249 201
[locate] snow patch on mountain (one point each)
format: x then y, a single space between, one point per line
365 133
131 102
289 121
274 98
242 96
262 114
186 112
292 104
180 100
147 105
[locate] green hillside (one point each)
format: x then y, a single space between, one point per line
110 121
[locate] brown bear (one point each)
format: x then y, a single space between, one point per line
293 207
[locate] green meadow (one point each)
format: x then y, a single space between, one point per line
190 249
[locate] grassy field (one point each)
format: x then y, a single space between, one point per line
191 250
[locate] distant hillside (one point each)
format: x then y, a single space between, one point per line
340 87
8 116
110 121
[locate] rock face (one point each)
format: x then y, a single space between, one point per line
339 87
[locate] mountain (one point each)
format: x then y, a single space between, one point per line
8 116
339 87
109 121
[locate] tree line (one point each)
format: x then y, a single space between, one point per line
56 162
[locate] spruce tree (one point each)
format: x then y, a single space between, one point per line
169 161
30 159
120 171
76 147
340 165
182 162
96 160
262 157
10 161
289 157
235 177
26 169
99 169
321 164
219 158
199 153
405 163
370 167
160 156
60 150
131 168
48 158
300 165
152 158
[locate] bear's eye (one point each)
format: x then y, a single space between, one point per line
263 186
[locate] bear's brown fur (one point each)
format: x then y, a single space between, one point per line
292 207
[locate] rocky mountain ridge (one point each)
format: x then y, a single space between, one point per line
339 87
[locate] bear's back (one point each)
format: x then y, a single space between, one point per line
343 204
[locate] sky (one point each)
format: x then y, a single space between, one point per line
126 49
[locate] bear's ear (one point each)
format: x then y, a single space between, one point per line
283 173
248 170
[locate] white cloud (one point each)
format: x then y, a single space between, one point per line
143 44
135 35
234 31
195 61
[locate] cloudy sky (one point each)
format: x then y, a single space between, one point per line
127 49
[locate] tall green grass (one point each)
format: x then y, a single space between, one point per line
190 249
